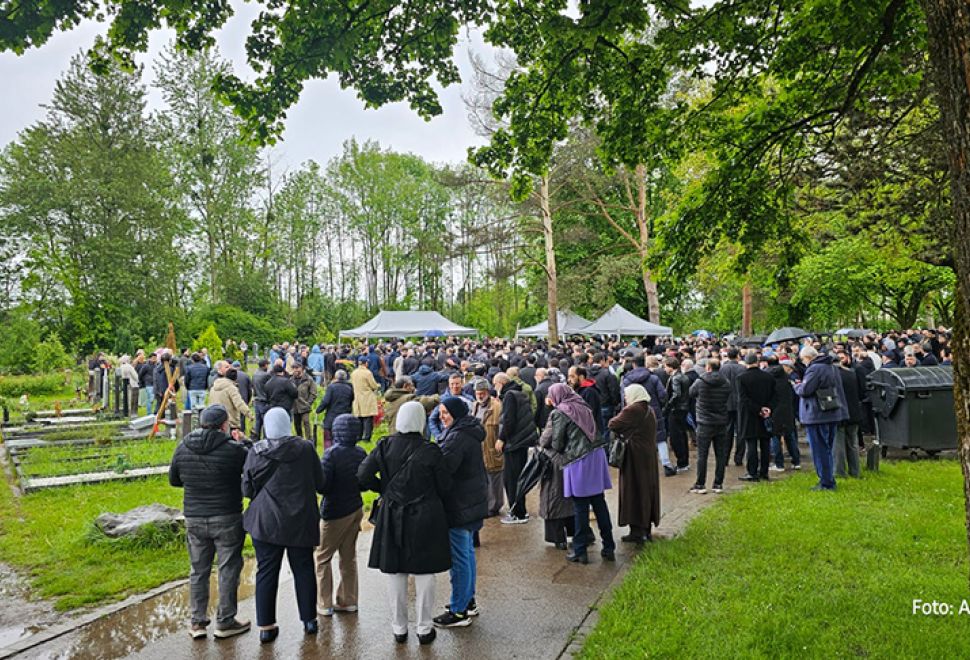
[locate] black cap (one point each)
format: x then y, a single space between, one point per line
214 416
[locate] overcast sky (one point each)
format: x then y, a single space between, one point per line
316 127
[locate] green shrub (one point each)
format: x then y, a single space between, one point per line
12 387
239 324
49 355
19 336
147 537
209 339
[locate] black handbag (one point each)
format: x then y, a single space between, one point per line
617 453
828 399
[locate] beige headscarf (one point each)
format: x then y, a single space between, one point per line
635 393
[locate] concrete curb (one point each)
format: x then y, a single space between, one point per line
54 632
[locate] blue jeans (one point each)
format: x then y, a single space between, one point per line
196 399
821 438
791 442
584 534
149 399
463 570
606 414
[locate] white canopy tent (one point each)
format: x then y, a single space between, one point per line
408 324
619 321
569 324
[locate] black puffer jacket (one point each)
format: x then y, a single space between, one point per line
461 447
207 464
281 478
711 393
337 400
607 384
517 428
341 490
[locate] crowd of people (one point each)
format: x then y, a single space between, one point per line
466 420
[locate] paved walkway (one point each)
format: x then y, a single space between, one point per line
533 603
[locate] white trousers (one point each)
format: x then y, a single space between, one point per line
397 596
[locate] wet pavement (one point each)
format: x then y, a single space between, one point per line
532 602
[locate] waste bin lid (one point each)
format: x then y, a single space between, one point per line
914 379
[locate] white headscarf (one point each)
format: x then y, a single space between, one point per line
410 418
276 423
635 393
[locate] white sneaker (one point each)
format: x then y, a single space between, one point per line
350 609
686 468
796 467
514 520
718 490
698 490
775 468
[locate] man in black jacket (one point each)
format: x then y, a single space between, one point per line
678 405
208 465
338 399
609 388
516 433
756 392
846 433
710 393
260 399
731 369
281 391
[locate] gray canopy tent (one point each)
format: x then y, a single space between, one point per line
569 324
618 321
408 324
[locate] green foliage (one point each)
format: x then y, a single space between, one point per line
234 322
49 355
12 387
745 574
209 339
125 343
19 336
148 537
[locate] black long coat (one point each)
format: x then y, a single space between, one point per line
411 533
640 474
756 390
783 406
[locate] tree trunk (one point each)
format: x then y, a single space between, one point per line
746 309
949 45
649 285
552 286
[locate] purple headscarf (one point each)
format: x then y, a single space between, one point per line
565 399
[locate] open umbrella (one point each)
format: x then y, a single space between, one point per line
754 341
434 333
853 333
701 334
535 467
786 334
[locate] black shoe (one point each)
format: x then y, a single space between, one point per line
670 471
608 555
577 559
453 620
401 639
632 538
747 477
561 546
311 627
424 640
267 636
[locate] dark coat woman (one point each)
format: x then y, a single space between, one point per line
281 477
554 507
639 474
411 531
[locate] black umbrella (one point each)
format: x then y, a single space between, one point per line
535 467
753 341
853 333
786 334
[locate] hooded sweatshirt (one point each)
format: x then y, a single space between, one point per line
207 464
341 491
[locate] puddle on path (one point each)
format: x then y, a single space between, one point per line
19 616
133 628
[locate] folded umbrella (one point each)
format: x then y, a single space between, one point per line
535 466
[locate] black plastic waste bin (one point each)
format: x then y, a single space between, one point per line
914 407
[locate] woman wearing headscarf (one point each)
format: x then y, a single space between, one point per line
586 475
281 478
411 528
466 504
639 474
555 509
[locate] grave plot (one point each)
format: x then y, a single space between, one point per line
82 447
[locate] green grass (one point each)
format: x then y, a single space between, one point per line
46 535
69 459
778 571
89 432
